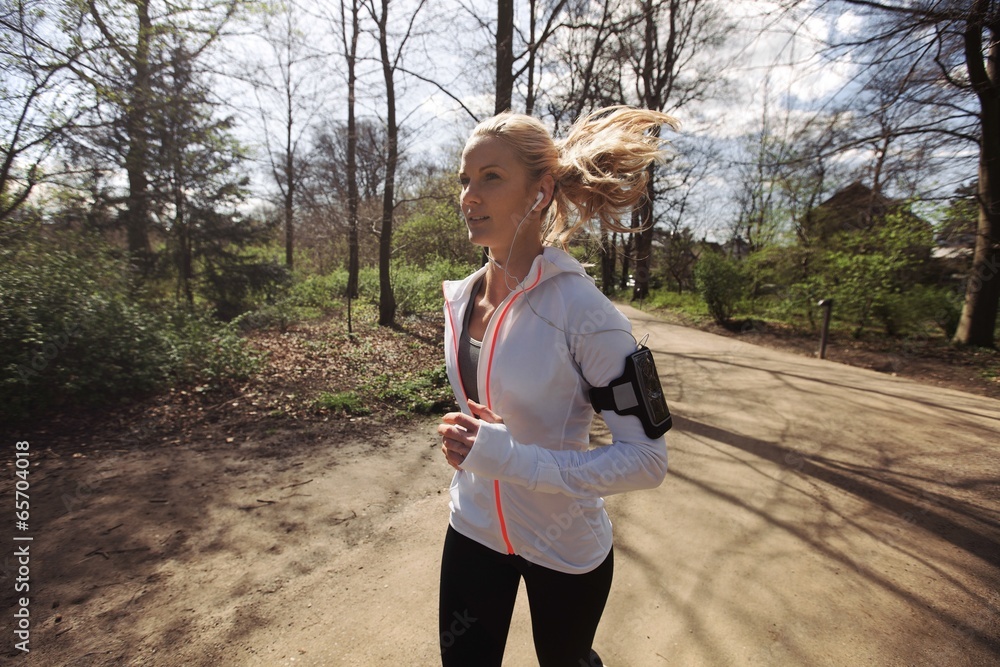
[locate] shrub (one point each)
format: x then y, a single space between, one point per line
721 283
910 312
238 285
418 290
74 331
326 293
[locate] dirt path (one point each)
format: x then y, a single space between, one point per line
815 514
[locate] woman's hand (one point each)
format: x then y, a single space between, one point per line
458 431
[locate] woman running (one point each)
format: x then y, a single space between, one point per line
527 336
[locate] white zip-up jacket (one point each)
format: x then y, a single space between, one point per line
532 485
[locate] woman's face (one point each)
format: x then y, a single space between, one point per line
496 193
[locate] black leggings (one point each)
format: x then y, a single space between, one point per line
478 589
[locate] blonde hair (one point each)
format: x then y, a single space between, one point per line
600 168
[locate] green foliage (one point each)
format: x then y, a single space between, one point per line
237 285
721 283
278 315
782 283
688 303
205 350
911 311
325 293
344 402
870 270
419 393
880 275
74 331
436 233
960 218
419 290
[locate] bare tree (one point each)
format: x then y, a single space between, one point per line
325 192
289 96
350 42
505 56
671 72
38 103
587 58
390 64
949 54
541 28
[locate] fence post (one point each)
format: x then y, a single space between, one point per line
827 305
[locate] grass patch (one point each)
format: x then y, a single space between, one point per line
345 402
689 305
420 393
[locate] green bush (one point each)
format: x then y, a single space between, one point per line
418 290
74 331
242 283
323 292
436 232
721 283
207 351
922 306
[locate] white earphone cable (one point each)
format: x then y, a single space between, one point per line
524 290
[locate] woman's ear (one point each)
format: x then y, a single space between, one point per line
546 189
538 200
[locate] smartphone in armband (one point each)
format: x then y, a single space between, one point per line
637 392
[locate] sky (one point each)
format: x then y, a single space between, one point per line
775 61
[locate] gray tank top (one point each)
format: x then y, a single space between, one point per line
468 351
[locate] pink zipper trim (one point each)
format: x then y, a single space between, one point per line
489 401
454 339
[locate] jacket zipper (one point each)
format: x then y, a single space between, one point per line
489 402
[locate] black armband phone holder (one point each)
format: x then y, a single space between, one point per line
637 392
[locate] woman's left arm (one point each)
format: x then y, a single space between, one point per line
632 461
483 445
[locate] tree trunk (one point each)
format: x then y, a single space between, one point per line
529 102
644 240
289 182
977 325
353 265
628 247
644 243
651 95
608 263
387 301
505 56
137 212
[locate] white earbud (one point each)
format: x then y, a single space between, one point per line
538 200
